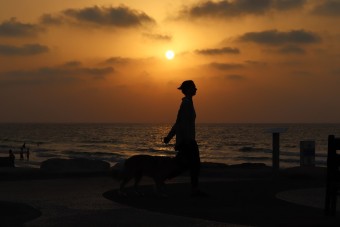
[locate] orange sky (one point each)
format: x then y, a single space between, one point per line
253 61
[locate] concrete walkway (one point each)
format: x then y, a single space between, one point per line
80 202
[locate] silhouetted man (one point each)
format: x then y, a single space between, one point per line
184 129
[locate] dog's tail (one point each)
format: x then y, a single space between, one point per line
117 171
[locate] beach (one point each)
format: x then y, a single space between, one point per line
239 195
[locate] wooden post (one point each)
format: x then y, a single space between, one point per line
276 151
276 148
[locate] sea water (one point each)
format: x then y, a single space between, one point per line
220 143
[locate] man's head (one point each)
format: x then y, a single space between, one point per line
188 88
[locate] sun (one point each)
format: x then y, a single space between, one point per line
169 54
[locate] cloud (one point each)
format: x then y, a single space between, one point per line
335 72
117 60
224 50
158 37
229 77
301 73
255 63
72 64
28 49
48 19
54 75
328 8
229 8
122 17
282 5
14 28
274 37
225 66
291 49
234 77
130 62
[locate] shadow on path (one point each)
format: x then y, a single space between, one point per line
16 214
246 202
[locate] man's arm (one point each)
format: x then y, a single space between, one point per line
174 128
171 134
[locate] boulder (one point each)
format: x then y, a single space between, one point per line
6 162
75 165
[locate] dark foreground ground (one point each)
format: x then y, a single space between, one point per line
238 195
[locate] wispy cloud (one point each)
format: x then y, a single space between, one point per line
66 73
255 63
115 17
117 60
283 5
14 28
229 9
335 72
291 49
274 37
226 66
224 50
235 77
48 19
25 50
301 73
158 37
72 64
328 8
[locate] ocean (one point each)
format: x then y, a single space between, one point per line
219 143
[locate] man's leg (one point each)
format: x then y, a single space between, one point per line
195 164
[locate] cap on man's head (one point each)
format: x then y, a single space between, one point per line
186 84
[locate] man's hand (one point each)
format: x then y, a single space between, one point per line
166 140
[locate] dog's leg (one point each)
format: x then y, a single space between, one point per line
122 186
159 188
138 177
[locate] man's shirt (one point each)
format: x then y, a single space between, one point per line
184 128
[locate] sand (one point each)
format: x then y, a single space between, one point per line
249 195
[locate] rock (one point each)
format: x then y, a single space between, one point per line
76 165
6 162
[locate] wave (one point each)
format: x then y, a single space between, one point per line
113 141
47 155
253 158
90 154
254 149
42 150
19 143
151 150
6 147
93 146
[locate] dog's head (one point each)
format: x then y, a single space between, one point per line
116 171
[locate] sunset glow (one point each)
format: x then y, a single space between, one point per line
169 54
106 61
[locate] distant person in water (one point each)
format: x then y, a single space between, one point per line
22 153
11 156
28 153
184 129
